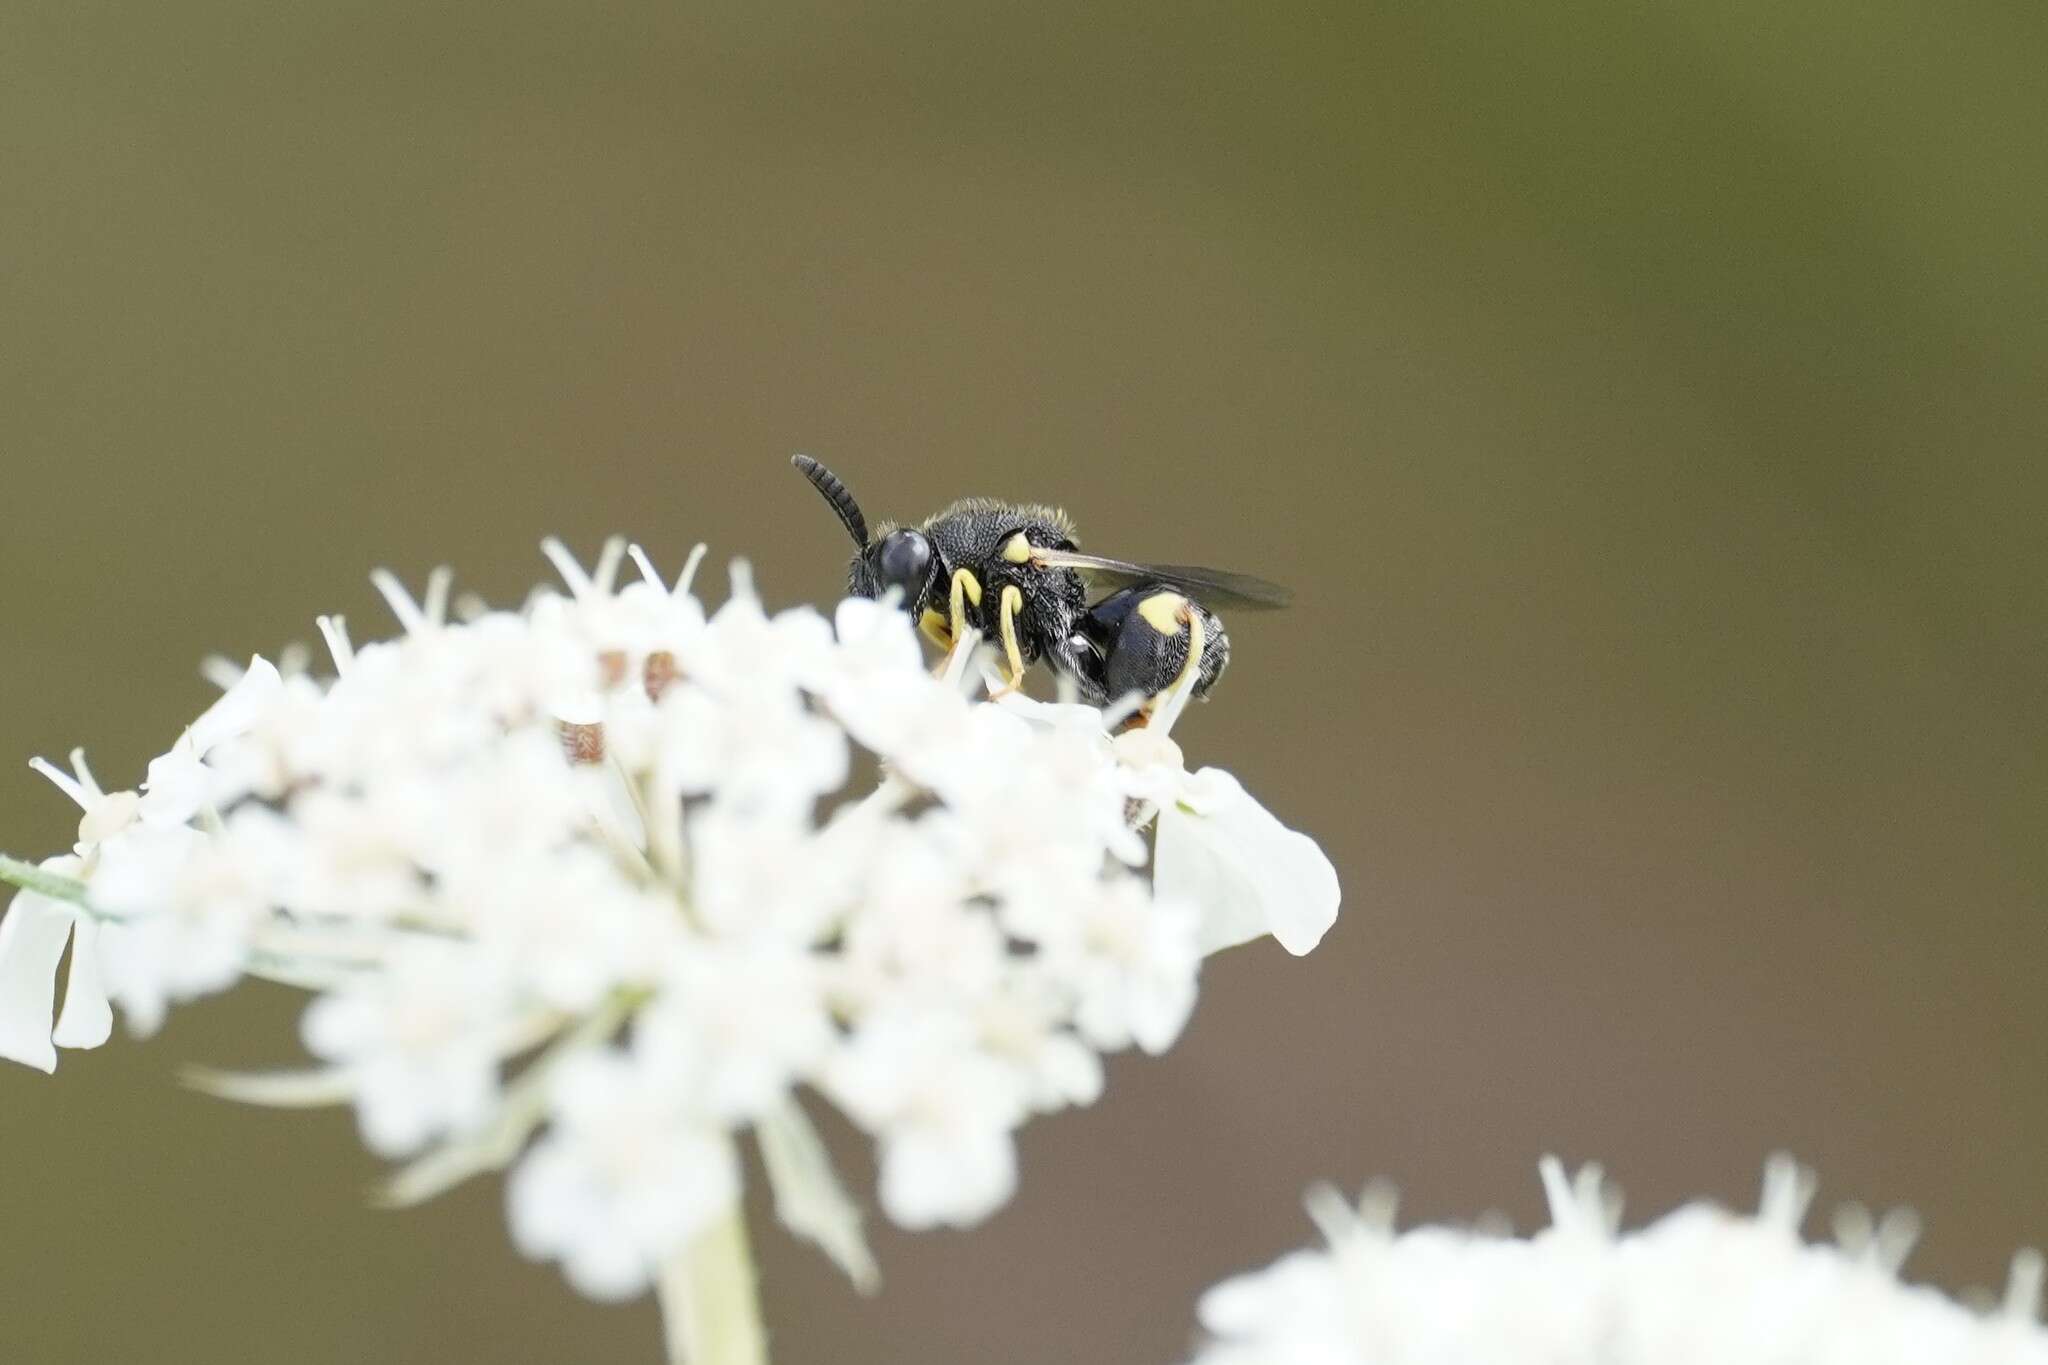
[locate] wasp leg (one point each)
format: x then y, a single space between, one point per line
1170 703
966 588
1013 602
1077 662
952 634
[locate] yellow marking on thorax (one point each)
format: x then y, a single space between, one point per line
1165 612
1017 550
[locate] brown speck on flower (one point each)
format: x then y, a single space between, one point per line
611 667
660 674
582 743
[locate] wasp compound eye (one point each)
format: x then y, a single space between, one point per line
903 560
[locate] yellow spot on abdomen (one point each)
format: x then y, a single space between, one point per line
1163 612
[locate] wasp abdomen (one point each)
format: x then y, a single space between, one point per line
1139 637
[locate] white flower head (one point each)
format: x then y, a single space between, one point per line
1701 1286
590 890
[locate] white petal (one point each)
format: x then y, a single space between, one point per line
175 789
394 1113
957 1177
543 1205
607 1269
87 1020
1159 1011
1249 874
879 629
239 708
31 944
1053 714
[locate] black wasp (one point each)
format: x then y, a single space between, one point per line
1012 571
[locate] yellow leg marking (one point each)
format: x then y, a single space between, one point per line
1013 602
1174 700
966 588
1192 669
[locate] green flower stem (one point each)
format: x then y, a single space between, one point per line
709 1310
55 885
29 877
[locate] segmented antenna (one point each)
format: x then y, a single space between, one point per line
836 493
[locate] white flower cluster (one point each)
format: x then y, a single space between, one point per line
592 888
1701 1286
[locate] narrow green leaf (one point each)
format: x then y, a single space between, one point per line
810 1199
276 1089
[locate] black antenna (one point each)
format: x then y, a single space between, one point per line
826 482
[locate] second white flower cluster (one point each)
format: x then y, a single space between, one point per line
1699 1286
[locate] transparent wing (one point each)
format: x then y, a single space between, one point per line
1214 587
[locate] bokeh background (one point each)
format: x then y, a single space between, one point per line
1648 403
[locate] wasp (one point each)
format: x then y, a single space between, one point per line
1014 573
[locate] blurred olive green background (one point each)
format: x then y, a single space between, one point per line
1648 403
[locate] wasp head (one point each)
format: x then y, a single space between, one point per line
898 558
